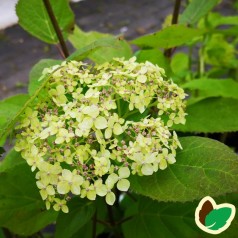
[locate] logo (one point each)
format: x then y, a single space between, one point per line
213 218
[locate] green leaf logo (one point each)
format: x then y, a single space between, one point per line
213 218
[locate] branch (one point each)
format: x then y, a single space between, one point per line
56 27
124 220
110 215
168 53
176 12
103 223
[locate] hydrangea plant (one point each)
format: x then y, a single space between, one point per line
97 125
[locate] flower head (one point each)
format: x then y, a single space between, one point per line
96 125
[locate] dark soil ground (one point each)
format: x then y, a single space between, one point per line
19 51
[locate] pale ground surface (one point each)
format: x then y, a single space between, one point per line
19 51
7 13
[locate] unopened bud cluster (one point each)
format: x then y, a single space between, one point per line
93 126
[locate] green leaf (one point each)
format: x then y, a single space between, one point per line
155 56
2 139
217 218
80 39
180 64
169 37
204 167
211 115
88 50
214 87
22 209
2 234
36 73
196 10
168 220
86 231
215 19
9 108
80 212
219 52
11 160
158 219
227 20
34 18
205 88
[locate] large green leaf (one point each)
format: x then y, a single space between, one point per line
34 18
196 10
86 231
36 73
204 167
213 87
211 115
80 39
80 212
2 234
168 220
9 108
11 160
159 219
22 209
169 37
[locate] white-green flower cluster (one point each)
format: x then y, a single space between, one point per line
96 125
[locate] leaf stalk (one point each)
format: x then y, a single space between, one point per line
168 53
56 27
